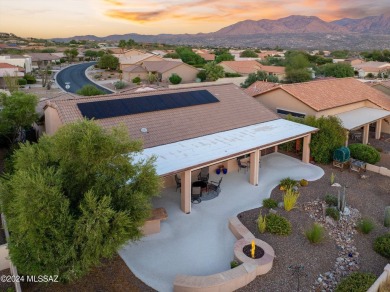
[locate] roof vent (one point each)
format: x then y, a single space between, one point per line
144 130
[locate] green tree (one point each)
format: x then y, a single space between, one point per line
89 90
17 114
202 75
11 82
108 61
175 79
248 54
224 57
213 71
258 76
172 56
74 198
71 54
297 64
340 54
122 44
331 135
189 57
339 70
91 54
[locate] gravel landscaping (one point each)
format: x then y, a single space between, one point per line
322 262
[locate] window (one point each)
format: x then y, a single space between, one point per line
286 112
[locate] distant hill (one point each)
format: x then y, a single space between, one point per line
371 24
295 31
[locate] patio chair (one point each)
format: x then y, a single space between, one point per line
204 174
215 186
195 195
242 165
178 182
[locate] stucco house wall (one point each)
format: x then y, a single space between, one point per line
129 76
52 120
187 73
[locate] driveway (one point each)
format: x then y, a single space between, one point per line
201 243
76 77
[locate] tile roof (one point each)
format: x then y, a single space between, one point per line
207 56
6 65
160 66
371 64
42 57
246 67
330 93
134 59
259 87
134 69
235 110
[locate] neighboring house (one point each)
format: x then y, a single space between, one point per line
373 67
41 60
187 129
24 62
355 103
383 86
266 54
208 57
354 61
128 53
164 69
248 67
9 70
126 61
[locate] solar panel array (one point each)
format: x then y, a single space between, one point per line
129 106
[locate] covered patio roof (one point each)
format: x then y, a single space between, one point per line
193 153
359 117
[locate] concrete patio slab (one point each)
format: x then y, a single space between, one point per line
201 243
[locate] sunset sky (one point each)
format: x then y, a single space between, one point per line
64 18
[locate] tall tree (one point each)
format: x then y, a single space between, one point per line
75 198
213 71
17 114
248 54
71 54
297 65
224 57
258 76
338 70
108 61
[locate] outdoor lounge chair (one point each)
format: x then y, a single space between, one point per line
195 195
204 174
215 186
178 182
242 165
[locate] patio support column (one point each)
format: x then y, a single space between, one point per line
306 149
254 169
378 129
346 138
276 148
366 129
186 191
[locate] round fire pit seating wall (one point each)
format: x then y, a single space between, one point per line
238 277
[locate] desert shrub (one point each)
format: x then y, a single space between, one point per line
136 80
175 79
261 223
231 75
365 153
356 282
22 81
382 245
365 225
97 76
287 183
303 183
119 85
89 90
331 200
30 78
202 75
234 264
316 233
290 199
333 212
277 224
269 203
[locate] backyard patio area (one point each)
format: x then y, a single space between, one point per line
200 243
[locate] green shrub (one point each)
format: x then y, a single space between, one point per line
136 80
89 90
231 75
331 200
365 153
333 212
356 282
287 183
261 223
234 264
277 224
202 75
365 225
303 183
316 233
290 199
119 85
269 203
30 78
22 81
175 79
382 245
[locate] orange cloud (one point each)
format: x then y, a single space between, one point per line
140 17
114 2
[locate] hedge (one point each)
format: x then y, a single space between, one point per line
365 153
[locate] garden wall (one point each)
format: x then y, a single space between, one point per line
382 278
378 169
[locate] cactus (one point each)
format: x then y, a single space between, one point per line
332 177
387 216
341 201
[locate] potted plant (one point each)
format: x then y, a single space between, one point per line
224 171
218 171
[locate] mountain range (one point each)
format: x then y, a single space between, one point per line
351 32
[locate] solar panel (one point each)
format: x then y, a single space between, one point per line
129 106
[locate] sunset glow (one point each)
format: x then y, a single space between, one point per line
47 18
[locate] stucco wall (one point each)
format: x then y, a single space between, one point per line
52 120
279 99
187 73
129 76
4 261
345 108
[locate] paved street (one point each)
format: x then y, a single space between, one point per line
75 75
